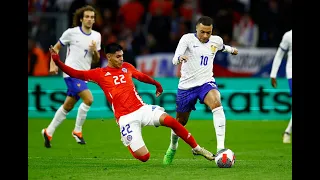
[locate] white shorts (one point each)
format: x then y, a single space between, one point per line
131 124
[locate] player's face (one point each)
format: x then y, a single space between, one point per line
203 32
88 19
116 59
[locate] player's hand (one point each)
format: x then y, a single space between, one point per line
159 90
274 82
54 55
235 51
183 58
53 68
93 46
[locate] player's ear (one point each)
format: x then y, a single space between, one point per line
108 55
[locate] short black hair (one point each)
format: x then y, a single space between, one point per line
205 20
112 48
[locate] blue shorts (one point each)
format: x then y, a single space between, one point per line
290 86
187 99
75 86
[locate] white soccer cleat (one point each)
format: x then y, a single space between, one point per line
205 153
286 138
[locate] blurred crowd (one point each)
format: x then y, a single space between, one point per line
150 26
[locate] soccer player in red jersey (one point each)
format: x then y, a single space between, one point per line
130 111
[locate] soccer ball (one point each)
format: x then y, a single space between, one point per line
225 158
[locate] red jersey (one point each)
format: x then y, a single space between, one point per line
116 84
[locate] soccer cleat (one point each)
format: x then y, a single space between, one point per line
286 138
205 153
168 157
46 138
78 137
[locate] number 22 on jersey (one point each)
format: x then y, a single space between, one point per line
119 79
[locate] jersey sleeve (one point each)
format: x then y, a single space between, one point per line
65 37
93 75
218 41
141 76
283 47
284 44
181 49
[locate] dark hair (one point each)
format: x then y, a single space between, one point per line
112 48
205 20
79 15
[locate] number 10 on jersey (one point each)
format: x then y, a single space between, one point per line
204 60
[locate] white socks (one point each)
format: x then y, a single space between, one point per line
174 140
81 116
219 122
58 118
289 127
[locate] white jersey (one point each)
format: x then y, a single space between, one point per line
198 69
284 47
78 55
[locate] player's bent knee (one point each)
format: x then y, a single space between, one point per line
88 101
144 158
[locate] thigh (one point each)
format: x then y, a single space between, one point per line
186 100
150 115
130 132
205 89
86 96
75 86
212 99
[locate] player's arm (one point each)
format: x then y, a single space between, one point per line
180 50
86 75
282 49
146 79
53 67
95 49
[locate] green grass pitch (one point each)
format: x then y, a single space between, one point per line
260 153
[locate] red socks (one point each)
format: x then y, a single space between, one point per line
180 130
143 158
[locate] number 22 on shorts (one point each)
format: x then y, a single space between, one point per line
125 130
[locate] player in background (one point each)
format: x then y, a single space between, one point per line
130 111
196 52
285 47
83 45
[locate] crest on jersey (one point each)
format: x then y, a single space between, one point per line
78 84
124 70
129 137
213 49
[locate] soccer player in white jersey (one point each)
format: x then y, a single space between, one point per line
196 52
285 47
83 45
